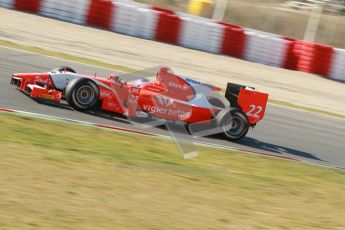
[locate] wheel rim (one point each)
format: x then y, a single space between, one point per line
234 127
85 95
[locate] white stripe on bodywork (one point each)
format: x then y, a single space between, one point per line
61 80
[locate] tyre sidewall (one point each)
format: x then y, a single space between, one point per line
72 88
225 116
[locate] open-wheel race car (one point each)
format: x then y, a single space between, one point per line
164 96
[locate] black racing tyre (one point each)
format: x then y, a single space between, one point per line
82 94
216 102
63 68
234 124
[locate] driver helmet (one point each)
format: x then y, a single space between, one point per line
140 82
114 77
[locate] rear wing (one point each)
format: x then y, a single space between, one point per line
250 102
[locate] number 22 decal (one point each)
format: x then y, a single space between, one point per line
133 99
254 111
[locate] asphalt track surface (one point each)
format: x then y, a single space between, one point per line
283 132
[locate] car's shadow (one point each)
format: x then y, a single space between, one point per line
246 142
276 148
270 148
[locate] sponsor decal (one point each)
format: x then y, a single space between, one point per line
38 79
165 101
167 111
178 86
105 94
135 90
162 108
111 104
47 96
197 82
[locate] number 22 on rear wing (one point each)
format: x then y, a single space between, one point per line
251 102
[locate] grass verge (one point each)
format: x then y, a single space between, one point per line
70 57
57 175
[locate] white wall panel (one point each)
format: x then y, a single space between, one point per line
74 11
7 3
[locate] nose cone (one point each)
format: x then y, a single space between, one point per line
29 75
34 78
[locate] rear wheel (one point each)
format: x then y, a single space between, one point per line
234 125
82 93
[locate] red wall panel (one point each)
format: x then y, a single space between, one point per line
100 13
234 40
28 5
313 58
168 28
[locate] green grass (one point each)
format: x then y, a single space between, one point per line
58 175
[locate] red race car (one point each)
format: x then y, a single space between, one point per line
165 96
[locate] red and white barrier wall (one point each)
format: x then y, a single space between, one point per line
144 21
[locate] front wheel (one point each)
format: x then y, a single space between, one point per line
82 94
234 125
